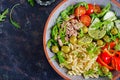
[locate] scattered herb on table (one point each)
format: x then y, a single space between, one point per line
16 24
31 2
3 15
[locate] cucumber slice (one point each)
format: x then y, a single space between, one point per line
112 18
117 24
110 15
95 21
109 26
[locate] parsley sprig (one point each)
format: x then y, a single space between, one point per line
31 2
3 15
16 24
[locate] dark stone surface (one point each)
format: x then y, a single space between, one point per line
21 50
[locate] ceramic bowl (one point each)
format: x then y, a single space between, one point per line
51 21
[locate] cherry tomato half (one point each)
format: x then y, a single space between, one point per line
90 9
86 20
97 9
79 11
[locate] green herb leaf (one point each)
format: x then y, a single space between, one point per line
81 33
49 42
118 35
117 47
54 32
3 15
16 25
104 10
82 4
60 57
97 25
93 16
112 37
110 76
31 2
54 57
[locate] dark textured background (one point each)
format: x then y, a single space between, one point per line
21 50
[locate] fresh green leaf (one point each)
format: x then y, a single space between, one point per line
3 15
64 15
54 57
93 17
81 33
117 47
112 37
70 10
16 24
54 32
97 25
82 4
92 50
49 42
59 20
60 57
110 76
118 35
31 2
104 10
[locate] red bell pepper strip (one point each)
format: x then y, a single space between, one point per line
111 44
106 56
117 63
100 61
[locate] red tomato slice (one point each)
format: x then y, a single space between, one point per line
100 61
86 20
79 11
90 9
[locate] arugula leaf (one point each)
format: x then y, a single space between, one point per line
81 33
118 35
3 15
54 57
82 4
112 37
104 10
60 57
117 47
93 16
31 2
97 25
54 32
101 24
16 24
49 42
65 13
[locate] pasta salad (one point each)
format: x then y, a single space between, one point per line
86 40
